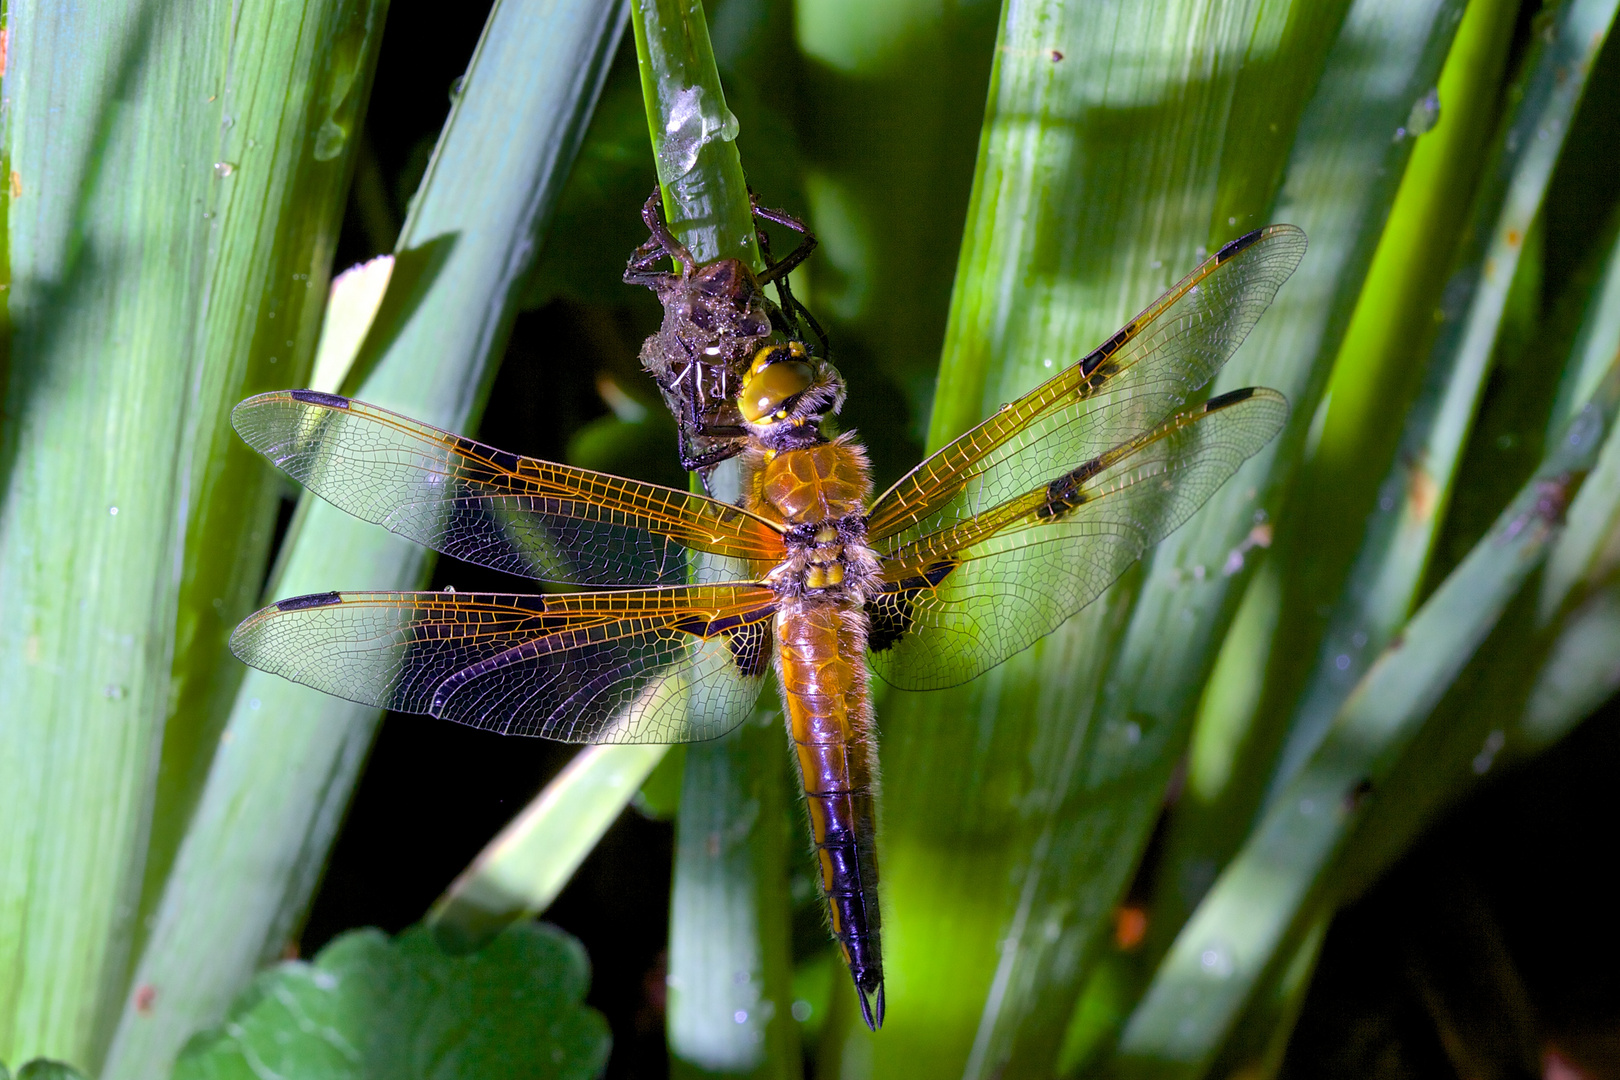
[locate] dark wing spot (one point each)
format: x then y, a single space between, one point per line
1231 397
748 647
889 615
315 397
747 635
1065 493
320 599
1062 496
501 459
1232 247
1090 365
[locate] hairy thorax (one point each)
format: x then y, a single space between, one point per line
819 492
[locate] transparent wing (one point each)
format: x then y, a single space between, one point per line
961 600
1126 386
638 666
486 506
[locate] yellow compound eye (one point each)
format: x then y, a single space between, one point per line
769 385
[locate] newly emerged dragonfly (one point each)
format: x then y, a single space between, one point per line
979 551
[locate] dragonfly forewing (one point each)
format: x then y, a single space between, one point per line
512 513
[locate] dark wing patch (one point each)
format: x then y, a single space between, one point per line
320 599
750 646
889 613
317 397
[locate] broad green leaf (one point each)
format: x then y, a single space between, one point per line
369 1007
356 295
286 762
1548 664
1356 425
1594 519
176 177
1581 669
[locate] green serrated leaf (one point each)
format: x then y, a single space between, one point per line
368 1007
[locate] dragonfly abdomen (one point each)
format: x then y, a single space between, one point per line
821 649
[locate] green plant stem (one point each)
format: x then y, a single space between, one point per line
730 973
291 158
729 964
693 133
288 757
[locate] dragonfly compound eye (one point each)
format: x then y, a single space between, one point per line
776 377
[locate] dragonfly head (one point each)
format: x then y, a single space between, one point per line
788 387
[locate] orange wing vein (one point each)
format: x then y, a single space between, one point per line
1126 386
664 665
960 600
483 505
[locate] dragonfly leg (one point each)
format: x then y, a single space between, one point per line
644 268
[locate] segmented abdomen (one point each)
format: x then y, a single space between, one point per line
822 648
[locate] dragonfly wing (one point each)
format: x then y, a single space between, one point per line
671 665
1124 387
482 505
961 600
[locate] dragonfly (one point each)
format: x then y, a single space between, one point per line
716 317
986 546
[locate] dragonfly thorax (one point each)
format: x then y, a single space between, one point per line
818 492
829 560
